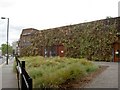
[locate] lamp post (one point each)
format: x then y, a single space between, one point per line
7 37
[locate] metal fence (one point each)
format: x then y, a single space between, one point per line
24 80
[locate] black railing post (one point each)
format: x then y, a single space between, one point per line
30 83
16 60
23 64
22 79
23 84
18 77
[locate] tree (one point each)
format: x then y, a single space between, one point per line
108 17
4 49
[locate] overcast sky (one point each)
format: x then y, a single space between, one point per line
43 14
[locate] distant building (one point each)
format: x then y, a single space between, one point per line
25 38
15 48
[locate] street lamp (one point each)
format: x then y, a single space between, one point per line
7 37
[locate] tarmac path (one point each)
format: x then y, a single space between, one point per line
108 78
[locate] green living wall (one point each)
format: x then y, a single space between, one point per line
91 40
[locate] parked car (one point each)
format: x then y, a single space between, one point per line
1 56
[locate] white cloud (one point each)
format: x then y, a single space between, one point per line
7 3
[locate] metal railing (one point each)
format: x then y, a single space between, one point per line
24 80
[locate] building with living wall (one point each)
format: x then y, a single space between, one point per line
91 40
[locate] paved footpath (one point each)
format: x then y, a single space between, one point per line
0 77
8 76
108 78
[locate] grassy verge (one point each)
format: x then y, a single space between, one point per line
51 72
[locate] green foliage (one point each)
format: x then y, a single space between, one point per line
51 72
108 17
4 49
